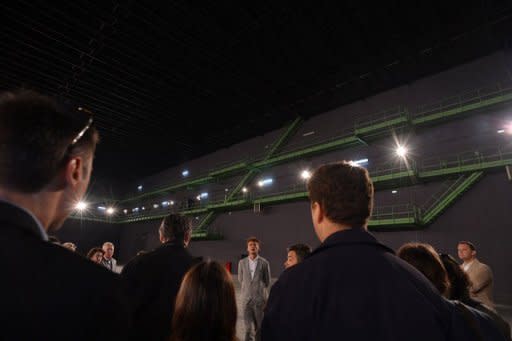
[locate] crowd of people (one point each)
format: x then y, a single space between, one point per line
350 287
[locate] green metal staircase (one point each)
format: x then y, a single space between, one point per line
380 125
462 185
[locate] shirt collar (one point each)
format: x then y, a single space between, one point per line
255 259
41 231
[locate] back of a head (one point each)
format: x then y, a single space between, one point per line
425 259
205 306
37 137
175 227
344 191
301 250
459 280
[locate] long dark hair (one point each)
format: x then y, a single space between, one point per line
205 306
425 259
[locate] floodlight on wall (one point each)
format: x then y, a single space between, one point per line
203 195
401 151
102 208
394 191
136 209
125 211
245 190
185 173
361 162
143 208
165 203
81 206
265 182
305 174
139 188
171 203
110 211
155 205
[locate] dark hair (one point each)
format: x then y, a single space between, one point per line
93 251
471 245
252 239
175 226
36 139
301 250
459 280
344 191
205 305
425 258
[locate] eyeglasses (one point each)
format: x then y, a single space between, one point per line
84 130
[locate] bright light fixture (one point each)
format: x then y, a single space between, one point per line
81 206
155 205
501 131
110 211
358 162
203 195
184 173
401 151
139 188
394 191
305 174
265 182
244 189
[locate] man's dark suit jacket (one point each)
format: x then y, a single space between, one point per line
354 288
153 281
50 293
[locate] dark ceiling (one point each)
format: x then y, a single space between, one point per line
172 80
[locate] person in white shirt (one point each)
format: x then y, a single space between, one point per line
254 278
479 274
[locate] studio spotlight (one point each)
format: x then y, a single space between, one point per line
110 211
305 174
81 206
401 151
245 190
265 182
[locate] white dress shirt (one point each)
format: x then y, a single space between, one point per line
252 266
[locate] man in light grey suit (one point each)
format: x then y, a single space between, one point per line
254 277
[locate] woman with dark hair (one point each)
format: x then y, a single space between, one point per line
424 258
205 306
95 254
460 285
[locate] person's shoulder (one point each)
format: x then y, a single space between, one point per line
483 266
264 260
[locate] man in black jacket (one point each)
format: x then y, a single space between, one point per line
154 279
351 287
48 292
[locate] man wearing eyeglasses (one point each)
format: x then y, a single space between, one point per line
47 292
